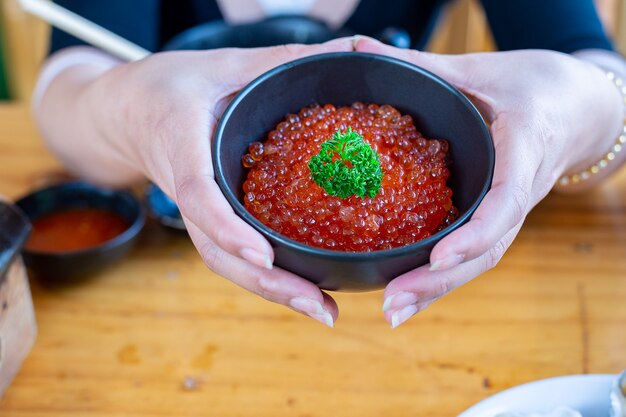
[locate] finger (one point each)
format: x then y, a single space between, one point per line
453 68
277 285
459 70
506 204
466 72
253 62
201 201
414 291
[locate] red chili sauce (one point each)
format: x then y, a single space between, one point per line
413 203
75 229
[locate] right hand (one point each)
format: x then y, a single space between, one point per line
159 114
538 106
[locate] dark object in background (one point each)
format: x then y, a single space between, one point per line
162 208
279 30
395 36
14 230
438 109
62 267
4 84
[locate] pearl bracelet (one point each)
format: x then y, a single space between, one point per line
616 148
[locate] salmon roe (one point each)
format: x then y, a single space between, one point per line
413 202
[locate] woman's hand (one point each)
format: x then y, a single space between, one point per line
156 117
549 114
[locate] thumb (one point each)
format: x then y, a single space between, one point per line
460 70
256 61
453 68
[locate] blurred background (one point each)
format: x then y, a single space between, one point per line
23 39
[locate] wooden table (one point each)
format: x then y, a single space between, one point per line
160 335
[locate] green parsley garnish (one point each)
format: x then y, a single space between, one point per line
347 165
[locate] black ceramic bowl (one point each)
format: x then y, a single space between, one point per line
61 267
438 109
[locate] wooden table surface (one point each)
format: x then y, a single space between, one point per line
160 335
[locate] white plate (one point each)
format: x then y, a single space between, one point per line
588 394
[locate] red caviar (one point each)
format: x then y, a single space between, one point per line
413 202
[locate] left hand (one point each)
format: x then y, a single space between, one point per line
549 113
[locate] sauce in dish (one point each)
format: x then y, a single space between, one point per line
75 229
411 200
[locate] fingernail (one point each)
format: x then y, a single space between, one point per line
447 262
313 309
307 305
325 318
257 258
399 300
402 315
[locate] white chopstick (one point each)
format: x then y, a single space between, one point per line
84 29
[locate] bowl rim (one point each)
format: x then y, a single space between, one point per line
267 232
127 235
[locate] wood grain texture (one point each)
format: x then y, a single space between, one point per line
17 322
160 335
27 45
463 29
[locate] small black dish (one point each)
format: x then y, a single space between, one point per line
62 267
163 209
439 111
